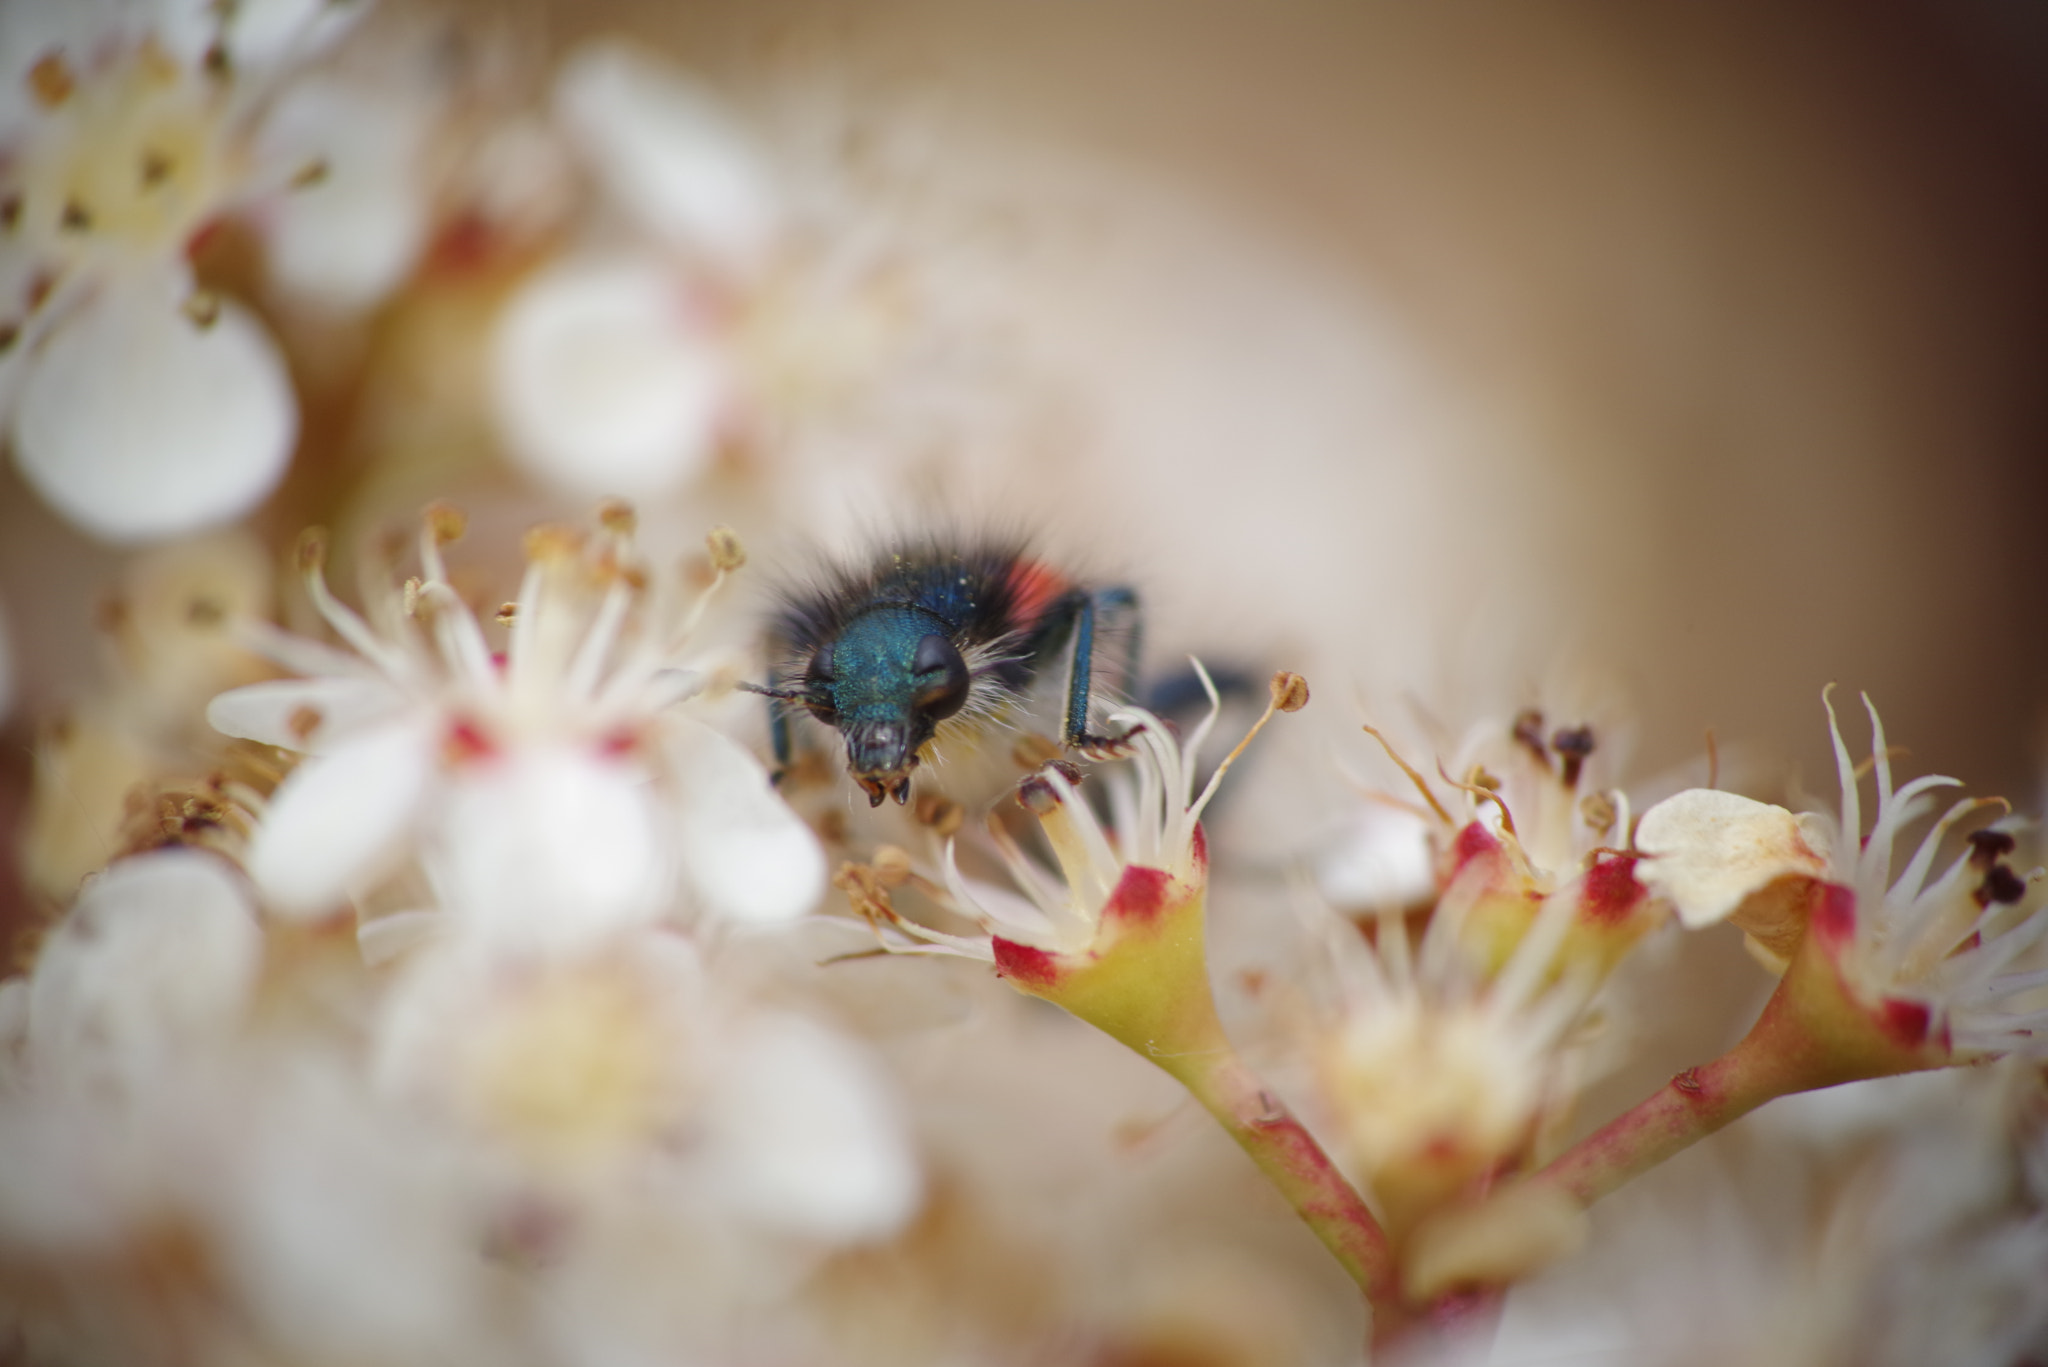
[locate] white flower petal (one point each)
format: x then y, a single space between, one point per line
668 150
604 383
160 951
1379 861
260 33
749 857
310 715
341 1232
552 844
1709 850
340 819
135 423
398 933
804 1136
348 239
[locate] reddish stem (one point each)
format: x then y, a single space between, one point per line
1783 1053
1298 1168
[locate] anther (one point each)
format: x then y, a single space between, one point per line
616 515
891 865
309 175
10 333
310 552
507 614
1572 744
1988 846
551 541
2001 885
204 610
1037 796
942 816
202 307
10 211
1598 811
1289 691
217 63
727 552
50 80
445 523
303 722
1528 734
156 167
76 218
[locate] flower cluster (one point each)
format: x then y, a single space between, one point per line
418 955
141 402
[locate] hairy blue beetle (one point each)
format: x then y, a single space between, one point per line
939 632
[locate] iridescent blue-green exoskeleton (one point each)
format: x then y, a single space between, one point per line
940 633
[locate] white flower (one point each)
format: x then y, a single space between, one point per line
553 790
1436 1071
1150 856
138 404
623 1069
1929 955
1932 953
721 298
157 959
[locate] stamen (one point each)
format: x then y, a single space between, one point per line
1573 744
942 816
311 554
1084 856
727 552
202 307
441 524
156 167
1414 777
727 555
891 864
50 80
309 175
1286 688
75 218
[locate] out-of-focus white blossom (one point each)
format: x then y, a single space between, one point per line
138 403
554 790
623 1069
737 293
1432 1071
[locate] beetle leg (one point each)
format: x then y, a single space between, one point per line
1109 603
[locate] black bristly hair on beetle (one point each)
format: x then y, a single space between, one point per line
885 650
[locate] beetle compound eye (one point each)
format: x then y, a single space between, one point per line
941 677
